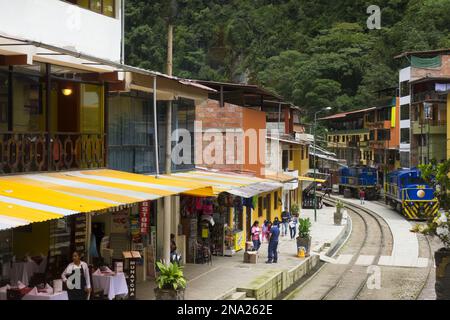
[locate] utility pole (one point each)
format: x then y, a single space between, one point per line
168 154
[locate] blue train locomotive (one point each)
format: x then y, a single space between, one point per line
353 179
409 194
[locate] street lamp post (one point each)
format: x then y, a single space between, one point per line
315 159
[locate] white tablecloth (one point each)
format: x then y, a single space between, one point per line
111 285
45 296
23 271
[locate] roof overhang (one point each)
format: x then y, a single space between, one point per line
17 51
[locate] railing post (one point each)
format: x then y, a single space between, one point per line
48 118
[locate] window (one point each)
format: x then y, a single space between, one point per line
307 152
404 159
404 88
372 135
302 150
383 134
91 108
404 112
4 101
105 7
27 103
260 206
404 135
384 114
285 160
291 155
269 205
275 200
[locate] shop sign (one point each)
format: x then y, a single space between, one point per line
132 285
144 216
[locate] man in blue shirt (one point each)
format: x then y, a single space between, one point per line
273 243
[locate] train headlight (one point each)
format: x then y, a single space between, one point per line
420 193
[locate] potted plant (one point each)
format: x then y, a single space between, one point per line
295 209
304 237
437 175
338 213
171 282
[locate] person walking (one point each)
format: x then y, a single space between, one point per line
264 231
256 235
285 218
77 279
273 243
293 226
362 195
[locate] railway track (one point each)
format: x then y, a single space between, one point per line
370 237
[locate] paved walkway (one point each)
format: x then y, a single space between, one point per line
227 273
405 252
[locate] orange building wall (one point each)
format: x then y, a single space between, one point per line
254 119
234 117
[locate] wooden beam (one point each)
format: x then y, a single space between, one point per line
101 77
19 59
117 86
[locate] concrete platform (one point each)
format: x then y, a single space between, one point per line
228 276
405 251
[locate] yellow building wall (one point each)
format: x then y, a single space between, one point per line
254 212
35 242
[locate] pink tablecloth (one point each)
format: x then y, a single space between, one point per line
45 296
112 285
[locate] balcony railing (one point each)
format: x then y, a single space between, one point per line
429 126
35 152
428 96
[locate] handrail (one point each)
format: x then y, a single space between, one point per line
54 151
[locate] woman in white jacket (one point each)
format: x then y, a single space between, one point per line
76 276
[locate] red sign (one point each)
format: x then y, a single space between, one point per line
144 216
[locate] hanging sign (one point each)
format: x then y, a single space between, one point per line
144 216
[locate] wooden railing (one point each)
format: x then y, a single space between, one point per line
37 151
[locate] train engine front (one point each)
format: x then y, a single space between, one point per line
355 178
409 194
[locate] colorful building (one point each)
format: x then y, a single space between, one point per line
424 85
367 136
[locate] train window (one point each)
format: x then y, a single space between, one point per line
412 180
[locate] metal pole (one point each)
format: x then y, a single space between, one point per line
428 141
155 120
278 143
122 53
314 163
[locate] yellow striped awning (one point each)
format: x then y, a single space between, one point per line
220 181
29 198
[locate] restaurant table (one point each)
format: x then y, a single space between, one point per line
23 271
46 296
112 284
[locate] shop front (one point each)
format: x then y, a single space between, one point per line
220 225
103 214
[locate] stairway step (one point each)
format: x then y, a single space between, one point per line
237 296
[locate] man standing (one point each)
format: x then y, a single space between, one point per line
273 243
362 196
285 218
